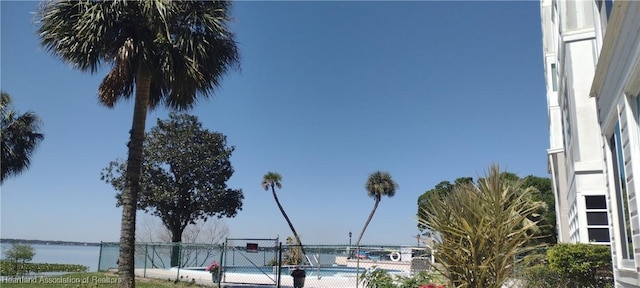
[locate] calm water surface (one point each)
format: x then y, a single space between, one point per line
64 254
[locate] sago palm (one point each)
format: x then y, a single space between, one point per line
273 180
163 52
20 137
378 184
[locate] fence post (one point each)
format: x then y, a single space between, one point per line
357 265
279 265
99 257
221 272
179 258
146 255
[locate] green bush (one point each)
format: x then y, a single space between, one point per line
377 278
582 265
541 276
380 278
7 268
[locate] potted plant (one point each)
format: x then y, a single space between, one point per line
214 269
298 277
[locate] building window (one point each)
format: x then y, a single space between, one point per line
600 235
624 225
554 77
597 218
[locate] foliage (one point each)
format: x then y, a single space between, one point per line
582 265
380 278
484 229
542 276
422 279
378 184
18 255
273 180
294 255
20 136
377 278
443 189
545 215
8 268
184 174
213 268
98 280
169 52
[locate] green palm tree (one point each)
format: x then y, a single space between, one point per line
379 184
163 52
20 137
272 180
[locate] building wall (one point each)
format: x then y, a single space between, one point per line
571 38
616 87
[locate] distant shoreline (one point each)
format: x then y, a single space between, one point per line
48 242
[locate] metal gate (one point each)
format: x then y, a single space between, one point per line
252 261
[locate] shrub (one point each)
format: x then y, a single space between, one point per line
484 230
7 268
377 278
541 276
380 278
582 265
19 255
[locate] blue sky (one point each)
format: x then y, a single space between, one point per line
328 93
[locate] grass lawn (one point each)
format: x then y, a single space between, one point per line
93 279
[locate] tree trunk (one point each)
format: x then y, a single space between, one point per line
176 241
126 260
295 234
375 206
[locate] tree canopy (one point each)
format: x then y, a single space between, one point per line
378 184
184 174
166 52
545 214
20 136
442 189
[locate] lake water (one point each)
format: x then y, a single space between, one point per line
64 254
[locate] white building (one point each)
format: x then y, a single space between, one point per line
592 64
571 37
616 87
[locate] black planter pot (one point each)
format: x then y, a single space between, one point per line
298 278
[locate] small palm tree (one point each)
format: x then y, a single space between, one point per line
20 137
272 180
379 184
164 52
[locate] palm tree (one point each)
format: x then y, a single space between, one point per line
379 184
272 180
20 137
169 52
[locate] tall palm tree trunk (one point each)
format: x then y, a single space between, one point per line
126 260
375 206
295 234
